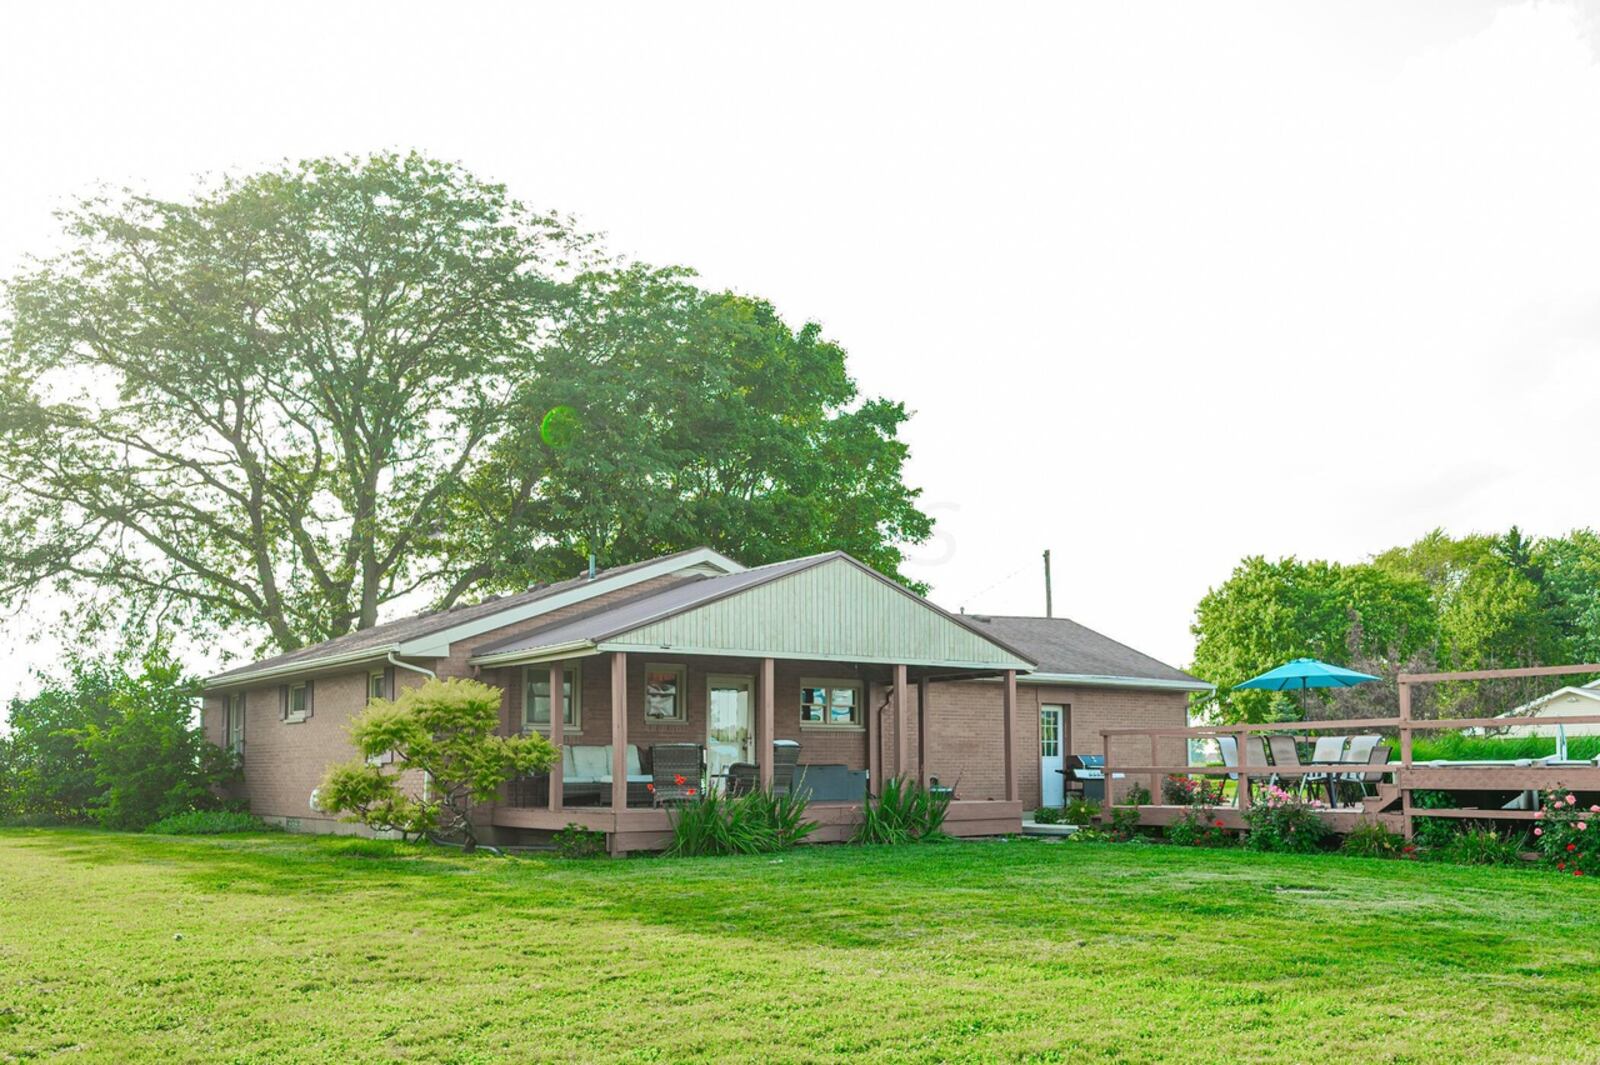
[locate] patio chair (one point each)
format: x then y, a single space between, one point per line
1359 752
1370 781
675 771
1284 753
1229 747
785 756
1327 749
742 778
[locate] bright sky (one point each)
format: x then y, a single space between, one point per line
1164 286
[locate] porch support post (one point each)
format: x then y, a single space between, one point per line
1010 733
558 729
922 731
767 693
902 721
1407 824
619 731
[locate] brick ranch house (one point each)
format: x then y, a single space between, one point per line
868 678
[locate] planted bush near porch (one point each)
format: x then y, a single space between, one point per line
1569 834
754 823
903 812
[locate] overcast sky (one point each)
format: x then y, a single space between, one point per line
1164 285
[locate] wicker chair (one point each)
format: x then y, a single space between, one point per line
675 771
742 779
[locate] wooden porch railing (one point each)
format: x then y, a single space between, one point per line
1407 776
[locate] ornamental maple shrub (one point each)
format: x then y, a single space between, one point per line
447 730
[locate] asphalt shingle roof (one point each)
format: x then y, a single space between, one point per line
1061 645
409 628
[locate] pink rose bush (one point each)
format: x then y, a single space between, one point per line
1566 837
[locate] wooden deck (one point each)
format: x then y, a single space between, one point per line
641 829
1469 783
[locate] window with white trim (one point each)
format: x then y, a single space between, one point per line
297 702
233 724
378 684
830 703
666 694
536 698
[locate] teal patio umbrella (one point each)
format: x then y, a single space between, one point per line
1303 673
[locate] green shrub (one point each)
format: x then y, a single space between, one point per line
1370 839
754 823
1198 826
1048 815
1080 812
904 812
1284 822
1569 834
575 841
1456 746
210 823
1138 795
1434 833
1481 845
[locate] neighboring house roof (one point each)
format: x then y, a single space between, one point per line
429 635
821 607
1070 653
1578 696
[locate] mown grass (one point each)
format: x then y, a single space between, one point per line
297 949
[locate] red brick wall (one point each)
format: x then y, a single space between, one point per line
966 735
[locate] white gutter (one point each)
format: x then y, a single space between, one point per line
307 665
570 649
393 661
1093 680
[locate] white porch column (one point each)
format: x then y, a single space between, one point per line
764 726
1010 733
619 731
558 730
902 731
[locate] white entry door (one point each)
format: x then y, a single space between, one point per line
728 731
1052 783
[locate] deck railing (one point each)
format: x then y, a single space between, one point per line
1407 776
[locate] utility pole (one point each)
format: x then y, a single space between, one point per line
1049 607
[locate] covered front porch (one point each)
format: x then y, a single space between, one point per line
845 727
812 675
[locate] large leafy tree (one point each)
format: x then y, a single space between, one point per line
305 394
1268 612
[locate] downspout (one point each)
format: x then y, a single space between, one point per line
431 675
393 661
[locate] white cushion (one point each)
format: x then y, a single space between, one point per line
590 762
568 768
635 767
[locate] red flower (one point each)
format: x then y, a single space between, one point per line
1577 872
1561 866
677 778
650 787
1218 822
691 791
1572 846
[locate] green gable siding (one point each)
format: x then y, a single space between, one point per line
830 610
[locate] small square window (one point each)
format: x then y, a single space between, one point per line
830 703
665 694
536 698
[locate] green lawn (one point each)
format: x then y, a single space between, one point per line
320 950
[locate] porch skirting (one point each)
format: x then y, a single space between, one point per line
651 830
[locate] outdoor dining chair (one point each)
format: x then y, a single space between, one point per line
1284 753
1327 749
1358 753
